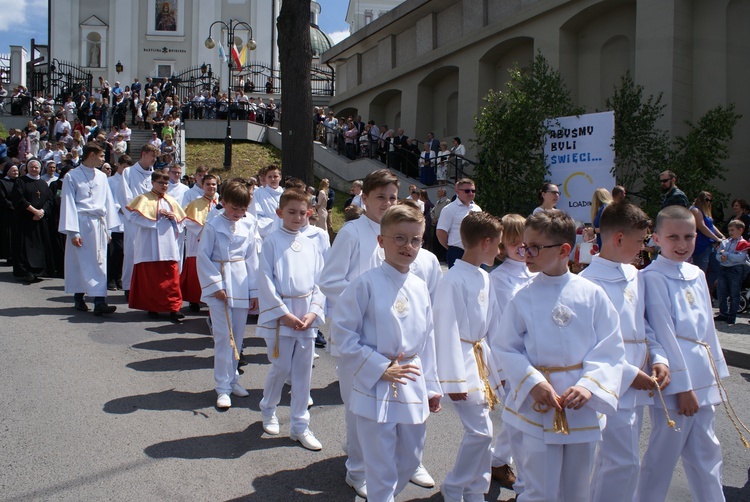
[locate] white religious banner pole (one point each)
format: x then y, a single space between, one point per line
580 156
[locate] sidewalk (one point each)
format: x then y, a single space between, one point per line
735 341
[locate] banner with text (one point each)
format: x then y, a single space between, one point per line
580 157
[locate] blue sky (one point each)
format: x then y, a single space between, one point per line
23 20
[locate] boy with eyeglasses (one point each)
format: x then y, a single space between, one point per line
449 225
383 329
563 353
466 320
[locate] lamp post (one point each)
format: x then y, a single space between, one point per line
210 44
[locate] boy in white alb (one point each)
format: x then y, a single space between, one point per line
562 351
291 307
266 201
196 191
465 321
623 228
382 327
678 308
227 265
507 278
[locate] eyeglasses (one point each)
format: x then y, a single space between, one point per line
708 201
553 192
665 181
468 190
401 240
533 251
161 182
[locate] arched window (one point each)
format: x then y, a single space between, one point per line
94 50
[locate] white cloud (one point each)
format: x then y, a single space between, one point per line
15 18
336 36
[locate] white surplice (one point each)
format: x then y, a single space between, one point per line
192 193
156 240
135 181
618 459
558 322
382 314
427 268
265 203
87 209
177 191
678 308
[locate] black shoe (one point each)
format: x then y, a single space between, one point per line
195 307
119 284
127 295
153 315
720 318
111 286
320 341
176 316
103 308
30 277
82 306
731 322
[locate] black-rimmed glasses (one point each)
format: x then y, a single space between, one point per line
402 240
533 251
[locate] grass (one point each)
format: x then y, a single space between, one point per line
247 159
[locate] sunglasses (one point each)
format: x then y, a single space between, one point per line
708 200
552 192
468 190
666 180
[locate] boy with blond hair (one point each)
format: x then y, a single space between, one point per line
291 308
382 327
466 320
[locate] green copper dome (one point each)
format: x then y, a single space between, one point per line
319 41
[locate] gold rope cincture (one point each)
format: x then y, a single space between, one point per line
733 417
560 421
484 371
393 384
670 423
226 308
278 324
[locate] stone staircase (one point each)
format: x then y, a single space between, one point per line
139 137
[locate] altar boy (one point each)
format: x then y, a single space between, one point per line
562 351
623 230
382 326
678 307
291 308
466 317
227 265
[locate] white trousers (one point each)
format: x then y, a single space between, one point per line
128 255
699 448
392 453
509 447
555 471
617 462
355 463
470 477
225 366
295 361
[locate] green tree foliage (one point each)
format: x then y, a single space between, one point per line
641 148
510 135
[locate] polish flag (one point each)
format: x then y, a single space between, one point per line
236 58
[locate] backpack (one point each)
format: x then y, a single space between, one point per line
331 196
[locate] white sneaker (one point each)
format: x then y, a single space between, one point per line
307 439
316 356
422 478
359 486
239 390
223 401
309 401
271 425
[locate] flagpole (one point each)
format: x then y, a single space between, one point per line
210 44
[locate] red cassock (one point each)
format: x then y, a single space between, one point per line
155 287
189 283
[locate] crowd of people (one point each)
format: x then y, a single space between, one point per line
554 352
434 162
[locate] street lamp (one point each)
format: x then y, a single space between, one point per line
251 45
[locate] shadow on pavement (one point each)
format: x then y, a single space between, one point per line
176 344
173 363
228 445
734 494
167 400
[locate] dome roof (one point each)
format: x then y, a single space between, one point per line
319 41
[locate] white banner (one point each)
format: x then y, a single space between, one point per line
580 156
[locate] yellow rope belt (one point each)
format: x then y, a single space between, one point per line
484 371
733 417
393 360
560 421
278 323
226 307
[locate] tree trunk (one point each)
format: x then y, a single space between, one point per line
295 57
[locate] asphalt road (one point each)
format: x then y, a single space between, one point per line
122 408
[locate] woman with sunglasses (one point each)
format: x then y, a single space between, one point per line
707 235
548 197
